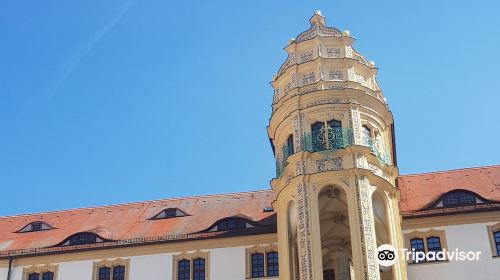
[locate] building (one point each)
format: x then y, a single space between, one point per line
336 198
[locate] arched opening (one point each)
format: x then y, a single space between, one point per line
293 249
382 233
336 246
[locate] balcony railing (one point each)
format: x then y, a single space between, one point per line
380 154
330 139
327 140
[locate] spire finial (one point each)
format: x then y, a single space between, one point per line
317 18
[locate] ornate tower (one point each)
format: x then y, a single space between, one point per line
332 135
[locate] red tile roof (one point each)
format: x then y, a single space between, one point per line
420 190
133 220
131 223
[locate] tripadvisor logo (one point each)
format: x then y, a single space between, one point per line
387 255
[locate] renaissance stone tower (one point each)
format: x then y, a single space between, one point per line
332 135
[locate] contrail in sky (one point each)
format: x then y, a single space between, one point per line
72 63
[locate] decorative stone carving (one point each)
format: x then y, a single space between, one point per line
304 233
366 225
329 163
333 52
335 74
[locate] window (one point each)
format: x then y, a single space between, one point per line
114 269
191 266
48 275
417 244
169 213
433 244
327 136
428 241
272 264
119 272
35 226
82 238
43 272
257 265
262 261
496 236
458 199
231 224
184 268
104 273
367 136
199 269
289 146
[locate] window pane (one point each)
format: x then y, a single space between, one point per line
231 224
434 244
48 275
119 272
34 276
497 242
258 265
272 264
199 269
36 226
104 273
417 244
183 270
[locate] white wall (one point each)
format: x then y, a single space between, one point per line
227 263
16 273
151 267
80 270
468 237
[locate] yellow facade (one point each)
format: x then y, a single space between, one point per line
332 133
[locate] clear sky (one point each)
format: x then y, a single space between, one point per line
105 102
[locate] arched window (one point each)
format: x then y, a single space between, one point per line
49 275
496 235
327 136
119 272
199 269
104 273
417 244
433 244
367 136
257 265
183 270
272 264
458 198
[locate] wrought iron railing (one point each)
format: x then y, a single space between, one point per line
330 139
380 154
327 140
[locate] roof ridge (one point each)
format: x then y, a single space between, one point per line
134 203
452 170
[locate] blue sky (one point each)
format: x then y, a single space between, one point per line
105 102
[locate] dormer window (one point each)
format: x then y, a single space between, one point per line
169 213
458 198
82 238
230 224
35 226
